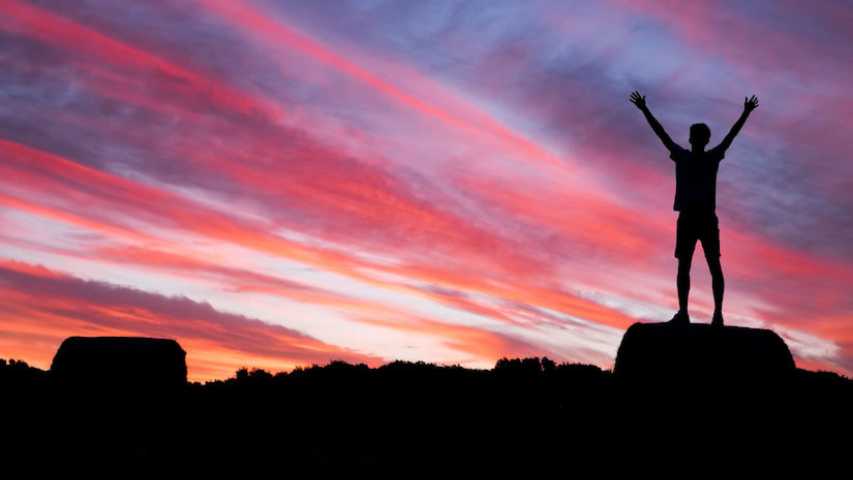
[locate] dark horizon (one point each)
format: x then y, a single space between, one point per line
668 353
284 183
529 413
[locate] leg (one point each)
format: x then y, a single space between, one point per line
683 281
685 245
718 284
711 246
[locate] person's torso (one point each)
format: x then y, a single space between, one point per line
695 181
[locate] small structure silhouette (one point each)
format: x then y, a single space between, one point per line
702 355
120 362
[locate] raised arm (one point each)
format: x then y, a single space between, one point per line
749 104
640 102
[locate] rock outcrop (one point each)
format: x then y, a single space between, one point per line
120 362
701 355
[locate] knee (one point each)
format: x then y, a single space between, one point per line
716 269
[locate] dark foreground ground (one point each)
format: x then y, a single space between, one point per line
409 417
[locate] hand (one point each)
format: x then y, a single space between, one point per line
750 104
638 100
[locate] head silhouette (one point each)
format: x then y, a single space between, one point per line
700 135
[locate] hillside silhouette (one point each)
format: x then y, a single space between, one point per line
345 417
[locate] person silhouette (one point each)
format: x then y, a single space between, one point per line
695 202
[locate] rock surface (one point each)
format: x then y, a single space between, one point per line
134 362
701 354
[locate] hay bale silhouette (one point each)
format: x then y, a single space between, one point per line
702 355
120 362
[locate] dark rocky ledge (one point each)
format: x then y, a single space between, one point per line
137 362
701 354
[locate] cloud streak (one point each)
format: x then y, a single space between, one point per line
54 305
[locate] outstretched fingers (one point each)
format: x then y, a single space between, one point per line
637 99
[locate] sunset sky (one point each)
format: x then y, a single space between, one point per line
278 183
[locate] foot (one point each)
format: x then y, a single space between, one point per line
680 318
717 321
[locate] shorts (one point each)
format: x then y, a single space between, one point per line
702 226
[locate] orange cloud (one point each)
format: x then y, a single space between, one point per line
45 307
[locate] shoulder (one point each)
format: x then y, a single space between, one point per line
717 153
676 152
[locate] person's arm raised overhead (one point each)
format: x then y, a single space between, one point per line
749 104
640 102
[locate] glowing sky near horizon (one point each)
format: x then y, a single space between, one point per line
280 183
